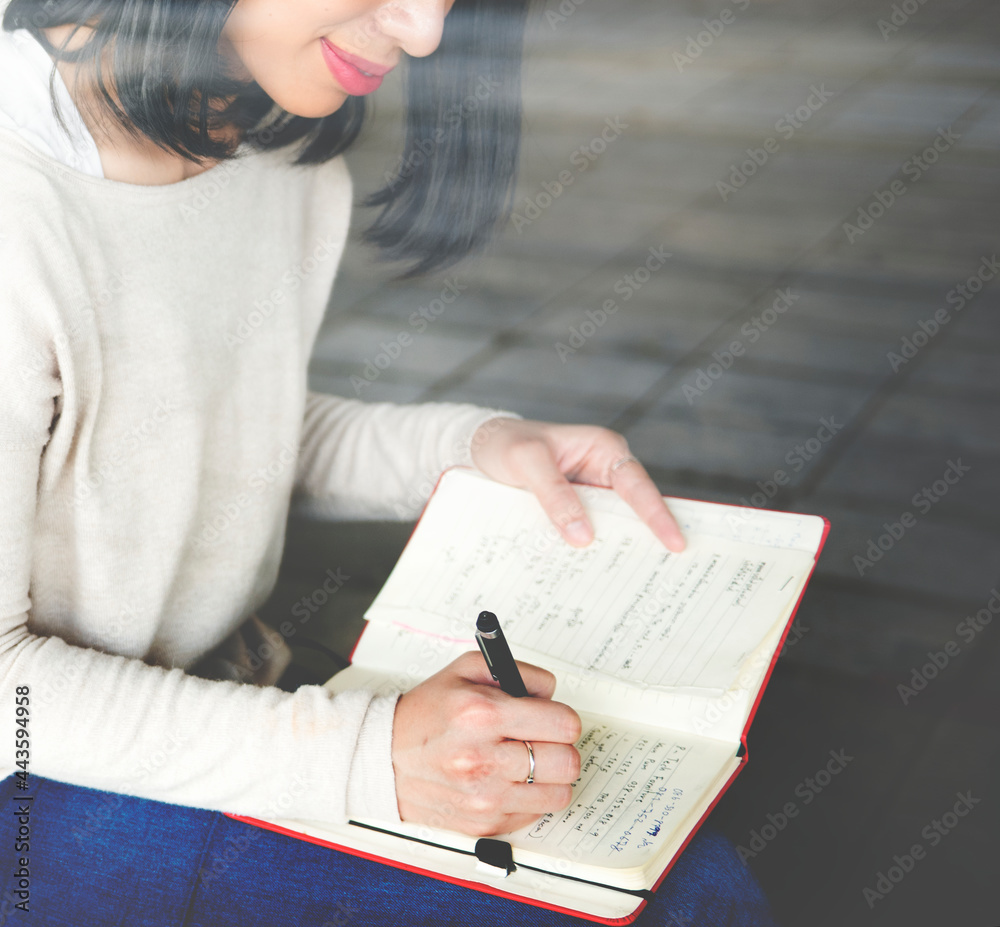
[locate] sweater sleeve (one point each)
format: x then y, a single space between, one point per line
115 723
380 460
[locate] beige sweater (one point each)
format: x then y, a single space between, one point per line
154 423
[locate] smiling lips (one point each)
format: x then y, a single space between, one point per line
356 75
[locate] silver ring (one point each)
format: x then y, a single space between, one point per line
620 462
531 762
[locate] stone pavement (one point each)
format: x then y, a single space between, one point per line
821 338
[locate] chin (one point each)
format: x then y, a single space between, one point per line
296 100
313 109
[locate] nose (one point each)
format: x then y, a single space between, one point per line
416 25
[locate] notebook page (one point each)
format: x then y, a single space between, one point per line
623 607
636 788
754 526
390 658
639 792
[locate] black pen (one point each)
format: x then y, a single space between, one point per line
499 660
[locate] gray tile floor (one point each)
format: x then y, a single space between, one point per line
858 295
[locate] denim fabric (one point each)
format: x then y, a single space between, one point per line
99 859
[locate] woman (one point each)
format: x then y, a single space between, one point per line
172 229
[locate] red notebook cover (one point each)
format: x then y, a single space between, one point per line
490 889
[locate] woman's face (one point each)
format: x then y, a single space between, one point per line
310 55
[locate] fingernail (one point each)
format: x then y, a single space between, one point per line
578 532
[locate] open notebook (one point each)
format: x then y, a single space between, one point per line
663 655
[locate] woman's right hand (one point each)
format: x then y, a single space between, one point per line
458 751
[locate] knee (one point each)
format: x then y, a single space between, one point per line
710 851
711 884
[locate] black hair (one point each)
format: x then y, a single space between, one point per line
453 185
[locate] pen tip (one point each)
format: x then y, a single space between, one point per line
487 622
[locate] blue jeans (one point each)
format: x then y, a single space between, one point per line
98 858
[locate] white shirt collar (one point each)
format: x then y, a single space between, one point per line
26 105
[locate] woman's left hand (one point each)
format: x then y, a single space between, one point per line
544 457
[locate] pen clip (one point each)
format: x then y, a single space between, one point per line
486 654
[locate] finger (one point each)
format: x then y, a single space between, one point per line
446 808
555 764
480 811
539 682
539 719
634 485
535 798
514 822
527 804
555 493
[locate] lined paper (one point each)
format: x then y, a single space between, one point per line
635 789
624 606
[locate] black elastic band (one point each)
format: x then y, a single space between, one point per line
637 892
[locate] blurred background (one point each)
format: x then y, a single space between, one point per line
824 176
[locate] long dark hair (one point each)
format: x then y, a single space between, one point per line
453 185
